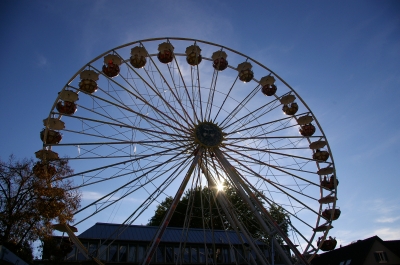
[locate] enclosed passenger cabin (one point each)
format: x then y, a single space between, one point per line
165 52
111 65
245 72
219 60
329 184
193 56
320 155
88 83
307 130
268 86
290 109
327 213
138 57
52 137
329 244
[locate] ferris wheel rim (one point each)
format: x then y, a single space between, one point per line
322 136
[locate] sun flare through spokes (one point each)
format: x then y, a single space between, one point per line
220 186
160 119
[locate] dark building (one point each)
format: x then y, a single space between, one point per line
113 243
7 257
369 251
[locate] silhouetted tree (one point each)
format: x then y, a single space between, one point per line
198 208
32 196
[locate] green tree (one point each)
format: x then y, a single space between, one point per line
32 197
198 208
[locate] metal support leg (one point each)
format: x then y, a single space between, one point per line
78 244
232 218
171 210
242 190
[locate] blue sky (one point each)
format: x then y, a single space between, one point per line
342 57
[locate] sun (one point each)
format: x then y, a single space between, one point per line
220 186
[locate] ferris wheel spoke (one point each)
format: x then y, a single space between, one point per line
197 84
211 94
172 92
271 202
240 106
138 157
102 107
165 103
278 168
130 160
159 113
124 125
171 210
139 97
122 107
127 144
148 143
254 114
184 86
119 142
138 178
119 133
130 143
263 124
254 117
293 215
156 107
225 99
308 241
150 199
274 167
231 215
97 180
172 109
260 135
275 184
146 103
246 148
153 196
285 187
274 137
253 202
277 187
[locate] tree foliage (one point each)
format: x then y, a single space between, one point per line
198 208
32 196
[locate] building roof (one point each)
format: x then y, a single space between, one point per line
146 233
356 252
393 245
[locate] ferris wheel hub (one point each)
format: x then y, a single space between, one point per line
208 135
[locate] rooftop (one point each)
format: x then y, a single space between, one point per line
356 252
171 234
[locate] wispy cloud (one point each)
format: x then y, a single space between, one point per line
346 237
382 206
388 213
379 148
387 219
387 233
93 195
41 60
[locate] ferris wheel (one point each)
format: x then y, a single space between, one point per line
157 117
